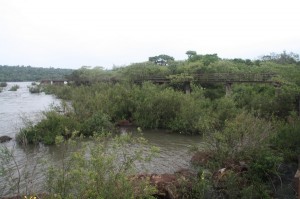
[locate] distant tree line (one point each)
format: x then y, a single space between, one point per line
28 73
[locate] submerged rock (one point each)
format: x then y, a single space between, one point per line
4 138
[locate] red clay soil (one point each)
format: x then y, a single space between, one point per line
167 185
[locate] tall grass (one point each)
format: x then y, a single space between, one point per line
14 87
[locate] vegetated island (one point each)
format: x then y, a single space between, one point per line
246 110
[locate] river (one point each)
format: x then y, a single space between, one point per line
15 106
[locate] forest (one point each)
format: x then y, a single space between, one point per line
250 134
28 73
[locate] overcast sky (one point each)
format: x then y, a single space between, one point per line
73 33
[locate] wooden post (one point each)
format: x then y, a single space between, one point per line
228 89
187 88
277 88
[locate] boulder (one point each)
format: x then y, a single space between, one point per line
167 185
4 138
201 158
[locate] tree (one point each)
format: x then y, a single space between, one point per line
191 53
206 59
209 58
282 58
161 59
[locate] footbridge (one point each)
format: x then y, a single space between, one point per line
227 78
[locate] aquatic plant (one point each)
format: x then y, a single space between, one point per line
35 89
14 87
3 84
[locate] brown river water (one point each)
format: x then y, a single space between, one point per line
16 105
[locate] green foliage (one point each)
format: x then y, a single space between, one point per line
6 160
103 168
202 186
264 165
241 134
238 129
104 173
14 87
143 70
155 107
62 91
35 89
282 58
242 150
47 129
28 73
161 59
87 76
205 59
195 115
97 123
3 84
288 138
190 53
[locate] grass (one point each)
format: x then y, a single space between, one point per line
3 84
14 87
35 89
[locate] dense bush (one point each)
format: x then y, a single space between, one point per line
97 123
14 88
104 173
242 150
3 84
288 138
103 168
54 124
247 133
35 89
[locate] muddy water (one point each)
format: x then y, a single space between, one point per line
17 105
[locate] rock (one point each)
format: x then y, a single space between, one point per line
200 158
167 185
124 123
4 138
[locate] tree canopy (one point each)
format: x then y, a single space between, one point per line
28 73
161 59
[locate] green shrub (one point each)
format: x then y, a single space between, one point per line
3 84
103 173
241 134
35 89
194 116
288 138
14 88
264 165
97 123
156 107
47 129
61 91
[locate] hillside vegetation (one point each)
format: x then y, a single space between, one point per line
28 73
247 135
